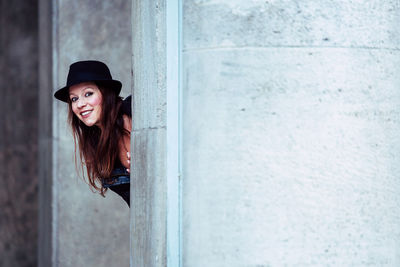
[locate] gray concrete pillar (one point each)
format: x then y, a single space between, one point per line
46 244
84 229
148 175
18 133
291 127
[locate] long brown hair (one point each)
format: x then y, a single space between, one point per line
98 149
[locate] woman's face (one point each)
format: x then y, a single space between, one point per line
86 100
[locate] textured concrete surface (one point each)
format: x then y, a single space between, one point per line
242 23
45 151
148 184
18 133
90 230
291 128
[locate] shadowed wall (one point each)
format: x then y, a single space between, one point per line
80 228
93 229
18 133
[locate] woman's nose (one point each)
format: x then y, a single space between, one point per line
81 103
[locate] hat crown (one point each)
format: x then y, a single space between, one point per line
89 70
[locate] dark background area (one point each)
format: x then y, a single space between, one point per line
18 133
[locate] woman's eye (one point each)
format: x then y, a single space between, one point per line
88 94
73 99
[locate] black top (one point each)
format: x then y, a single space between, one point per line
119 181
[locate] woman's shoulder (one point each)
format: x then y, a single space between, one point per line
126 106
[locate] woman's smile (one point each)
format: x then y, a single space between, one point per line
86 100
85 114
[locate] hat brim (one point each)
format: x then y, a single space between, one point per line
63 93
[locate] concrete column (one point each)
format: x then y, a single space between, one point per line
86 229
291 123
18 133
46 244
148 175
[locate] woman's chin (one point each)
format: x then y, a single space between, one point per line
89 123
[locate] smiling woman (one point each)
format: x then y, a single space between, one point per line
101 123
86 100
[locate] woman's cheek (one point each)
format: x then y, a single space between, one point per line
96 101
75 111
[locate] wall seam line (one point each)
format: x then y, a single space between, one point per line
228 48
55 52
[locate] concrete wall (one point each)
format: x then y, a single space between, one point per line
291 126
148 175
18 133
46 183
87 230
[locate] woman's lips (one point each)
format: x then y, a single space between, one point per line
86 113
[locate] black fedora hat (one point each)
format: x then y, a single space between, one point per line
88 71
